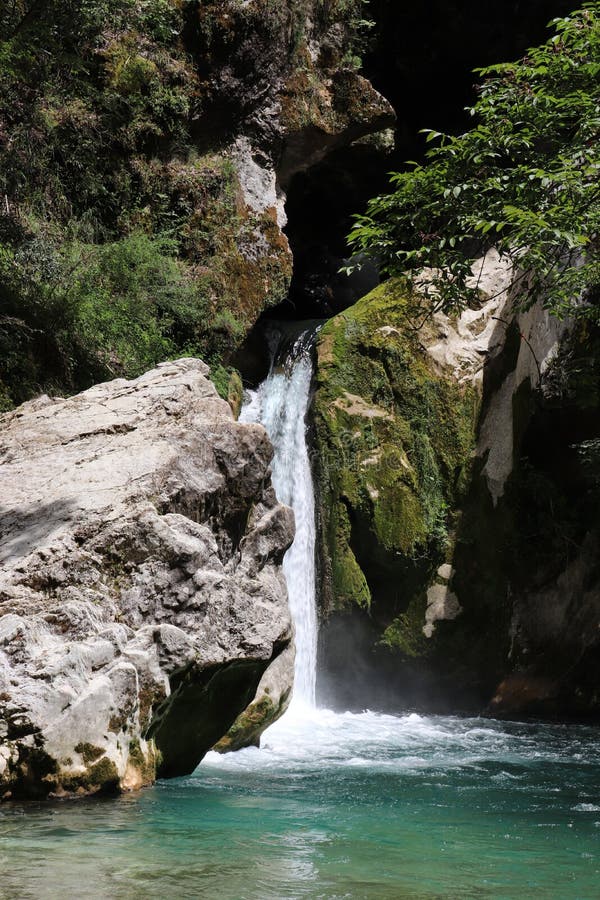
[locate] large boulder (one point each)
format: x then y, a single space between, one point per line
458 462
395 431
141 593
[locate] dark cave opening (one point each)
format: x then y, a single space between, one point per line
321 203
421 59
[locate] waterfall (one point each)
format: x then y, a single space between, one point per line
280 404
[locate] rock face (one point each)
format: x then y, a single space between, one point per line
395 432
527 556
281 91
284 75
273 697
458 465
141 595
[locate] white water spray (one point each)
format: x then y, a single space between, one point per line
280 404
348 750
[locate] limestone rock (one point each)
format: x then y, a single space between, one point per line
141 594
442 605
273 696
462 345
459 528
540 337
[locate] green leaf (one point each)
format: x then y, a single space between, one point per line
525 177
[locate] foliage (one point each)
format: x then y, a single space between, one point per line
524 179
355 14
121 244
84 89
132 299
124 237
74 312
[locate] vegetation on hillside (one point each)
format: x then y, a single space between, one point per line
124 238
525 179
101 189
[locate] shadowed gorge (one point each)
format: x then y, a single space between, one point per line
299 449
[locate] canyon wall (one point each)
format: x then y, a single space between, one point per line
457 463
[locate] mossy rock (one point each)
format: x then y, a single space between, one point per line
270 702
248 727
394 438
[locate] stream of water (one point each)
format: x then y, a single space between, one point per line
333 805
281 404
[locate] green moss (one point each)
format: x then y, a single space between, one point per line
399 519
405 633
394 441
248 727
349 582
146 764
103 774
102 777
220 377
250 724
235 392
88 751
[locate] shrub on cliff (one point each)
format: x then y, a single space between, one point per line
75 312
524 179
117 236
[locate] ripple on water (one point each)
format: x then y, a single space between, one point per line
356 805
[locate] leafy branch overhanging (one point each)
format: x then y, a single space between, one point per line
524 179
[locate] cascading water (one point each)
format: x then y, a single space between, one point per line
280 404
332 804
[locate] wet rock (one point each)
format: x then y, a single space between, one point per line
272 698
459 470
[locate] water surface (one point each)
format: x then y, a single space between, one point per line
335 806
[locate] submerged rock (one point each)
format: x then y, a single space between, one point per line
141 593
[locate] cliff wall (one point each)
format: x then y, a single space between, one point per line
457 465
